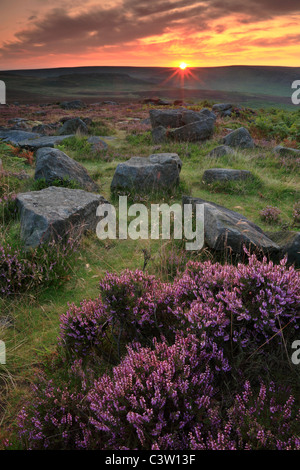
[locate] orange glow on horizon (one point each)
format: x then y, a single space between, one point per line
183 66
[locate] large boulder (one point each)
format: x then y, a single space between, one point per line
229 231
159 172
53 164
225 174
54 213
73 126
240 138
167 118
289 243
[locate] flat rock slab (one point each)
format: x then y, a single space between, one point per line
173 118
159 172
225 174
53 213
240 138
30 140
193 132
53 164
225 229
14 137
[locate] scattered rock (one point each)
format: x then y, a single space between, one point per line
53 164
159 172
168 118
14 137
159 134
225 229
193 132
286 151
239 138
221 151
53 212
289 244
97 143
225 174
43 141
75 104
163 158
72 126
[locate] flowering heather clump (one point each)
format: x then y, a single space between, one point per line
156 397
21 270
246 304
57 418
260 420
131 299
270 214
83 328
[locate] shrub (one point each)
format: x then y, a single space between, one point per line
57 418
156 397
270 215
22 270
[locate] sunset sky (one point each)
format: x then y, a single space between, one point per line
57 33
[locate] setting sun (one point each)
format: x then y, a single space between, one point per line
183 65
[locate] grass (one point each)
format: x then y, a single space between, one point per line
33 318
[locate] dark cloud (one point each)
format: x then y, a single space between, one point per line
59 32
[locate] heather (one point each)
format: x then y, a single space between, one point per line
189 363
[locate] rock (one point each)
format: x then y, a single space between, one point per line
225 229
53 212
109 103
14 137
43 141
1 166
286 151
289 244
97 143
194 132
75 104
44 128
222 107
53 164
239 138
207 112
159 134
72 126
221 151
166 118
163 158
158 172
225 174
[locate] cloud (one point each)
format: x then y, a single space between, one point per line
60 31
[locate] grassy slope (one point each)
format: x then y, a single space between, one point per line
31 337
243 84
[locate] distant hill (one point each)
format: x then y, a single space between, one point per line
257 86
